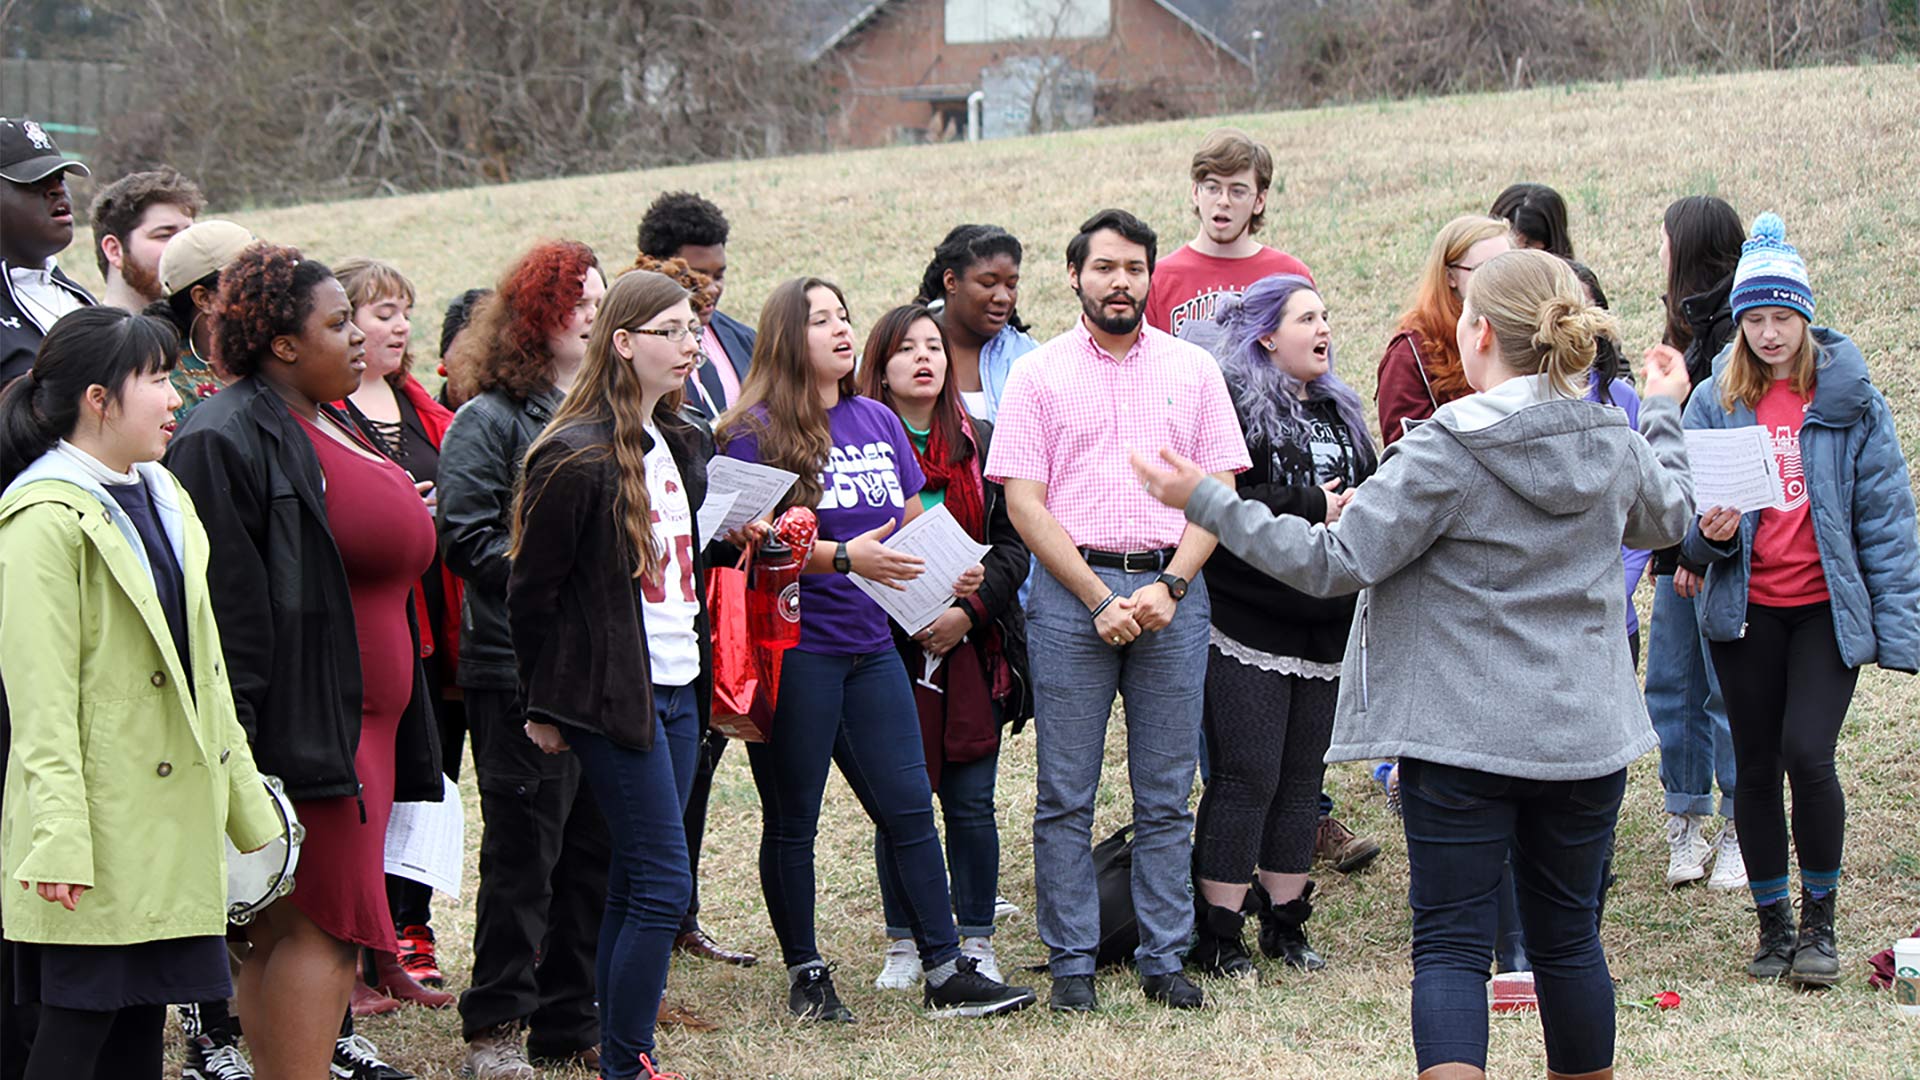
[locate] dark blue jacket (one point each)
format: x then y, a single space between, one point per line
1862 507
737 338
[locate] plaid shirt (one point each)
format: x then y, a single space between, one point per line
1071 415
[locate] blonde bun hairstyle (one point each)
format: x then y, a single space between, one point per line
1541 318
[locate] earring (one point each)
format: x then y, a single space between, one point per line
192 349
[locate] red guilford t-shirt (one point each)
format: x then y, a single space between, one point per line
1786 559
1189 286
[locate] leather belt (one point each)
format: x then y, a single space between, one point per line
1132 562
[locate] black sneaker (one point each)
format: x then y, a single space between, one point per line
1073 993
1172 990
211 1057
812 996
354 1058
969 993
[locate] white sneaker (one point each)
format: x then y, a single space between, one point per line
902 968
1729 866
981 949
1003 907
1687 849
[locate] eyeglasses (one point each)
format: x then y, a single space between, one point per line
675 334
1212 189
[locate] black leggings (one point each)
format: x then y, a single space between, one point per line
1267 736
1787 692
74 1044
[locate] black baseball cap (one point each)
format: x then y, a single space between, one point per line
28 155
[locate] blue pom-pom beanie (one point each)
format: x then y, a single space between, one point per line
1771 272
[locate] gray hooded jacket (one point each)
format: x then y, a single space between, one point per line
1488 548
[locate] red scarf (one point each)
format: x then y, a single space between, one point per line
966 493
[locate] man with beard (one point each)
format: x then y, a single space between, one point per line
133 218
36 223
1118 603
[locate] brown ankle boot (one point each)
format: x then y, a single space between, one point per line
1453 1070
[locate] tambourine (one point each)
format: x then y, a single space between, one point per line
258 878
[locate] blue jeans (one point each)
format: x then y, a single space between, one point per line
856 712
1075 677
1462 826
1683 700
643 795
973 850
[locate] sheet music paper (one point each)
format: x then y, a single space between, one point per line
1734 468
713 512
756 490
427 842
936 537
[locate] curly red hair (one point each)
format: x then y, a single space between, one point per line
266 292
505 345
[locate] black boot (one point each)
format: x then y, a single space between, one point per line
1776 941
1816 960
1283 934
1219 949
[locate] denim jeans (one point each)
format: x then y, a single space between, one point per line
856 712
973 850
1462 825
1683 700
643 795
1075 677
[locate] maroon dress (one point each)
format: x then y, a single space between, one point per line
386 541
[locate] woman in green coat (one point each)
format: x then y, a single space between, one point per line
126 763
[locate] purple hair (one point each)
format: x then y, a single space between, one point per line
1267 398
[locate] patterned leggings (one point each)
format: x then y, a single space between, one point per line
1267 736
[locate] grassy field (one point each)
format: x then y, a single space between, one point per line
1360 192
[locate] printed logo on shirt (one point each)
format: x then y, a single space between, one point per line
1786 450
861 475
1199 309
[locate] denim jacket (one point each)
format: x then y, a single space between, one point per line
1862 508
996 363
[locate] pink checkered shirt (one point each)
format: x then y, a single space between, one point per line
1070 416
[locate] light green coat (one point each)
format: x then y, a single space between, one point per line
119 777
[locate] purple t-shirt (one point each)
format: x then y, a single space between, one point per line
870 474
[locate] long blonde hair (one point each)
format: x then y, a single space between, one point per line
1746 378
794 431
1540 316
608 391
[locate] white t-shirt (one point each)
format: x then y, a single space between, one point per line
669 603
975 402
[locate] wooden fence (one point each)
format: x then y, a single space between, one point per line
72 99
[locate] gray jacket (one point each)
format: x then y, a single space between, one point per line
1488 545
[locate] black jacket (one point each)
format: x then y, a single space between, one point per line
1710 314
578 634
20 335
280 595
737 339
1257 611
480 461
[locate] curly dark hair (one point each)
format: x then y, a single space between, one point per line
266 292
507 348
677 219
118 208
963 246
698 285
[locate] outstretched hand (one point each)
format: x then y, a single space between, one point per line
1173 486
1666 373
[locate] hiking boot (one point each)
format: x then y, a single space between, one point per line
811 996
393 979
1283 934
1220 949
981 950
1816 960
354 1058
498 1053
900 966
1775 954
1687 849
214 1056
1173 990
967 992
416 956
1729 866
1073 993
1336 844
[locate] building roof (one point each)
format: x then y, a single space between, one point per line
826 24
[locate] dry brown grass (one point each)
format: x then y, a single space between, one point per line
1834 151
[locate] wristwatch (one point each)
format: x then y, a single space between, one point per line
841 564
1176 586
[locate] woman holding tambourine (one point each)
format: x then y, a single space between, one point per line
126 760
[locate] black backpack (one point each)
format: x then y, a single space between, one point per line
1113 878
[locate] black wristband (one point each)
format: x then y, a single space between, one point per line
1102 606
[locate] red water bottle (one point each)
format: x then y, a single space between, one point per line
773 596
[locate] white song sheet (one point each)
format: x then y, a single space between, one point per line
427 841
714 511
948 550
1734 468
756 490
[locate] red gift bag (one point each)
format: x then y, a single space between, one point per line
753 609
